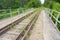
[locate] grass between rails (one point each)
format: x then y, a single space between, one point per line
38 12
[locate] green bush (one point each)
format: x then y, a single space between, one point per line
14 12
56 6
33 4
58 26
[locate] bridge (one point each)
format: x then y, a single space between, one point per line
34 24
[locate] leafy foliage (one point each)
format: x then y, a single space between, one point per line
33 3
56 6
16 4
4 4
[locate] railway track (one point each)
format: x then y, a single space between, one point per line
15 20
28 28
19 28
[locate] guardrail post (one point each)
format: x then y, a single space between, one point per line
48 11
18 11
51 14
10 13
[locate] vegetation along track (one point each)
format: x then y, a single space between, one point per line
19 31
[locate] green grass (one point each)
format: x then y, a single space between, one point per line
7 14
58 26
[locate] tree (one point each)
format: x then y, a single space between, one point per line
5 4
33 3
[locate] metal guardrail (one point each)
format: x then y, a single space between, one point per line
9 12
50 12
